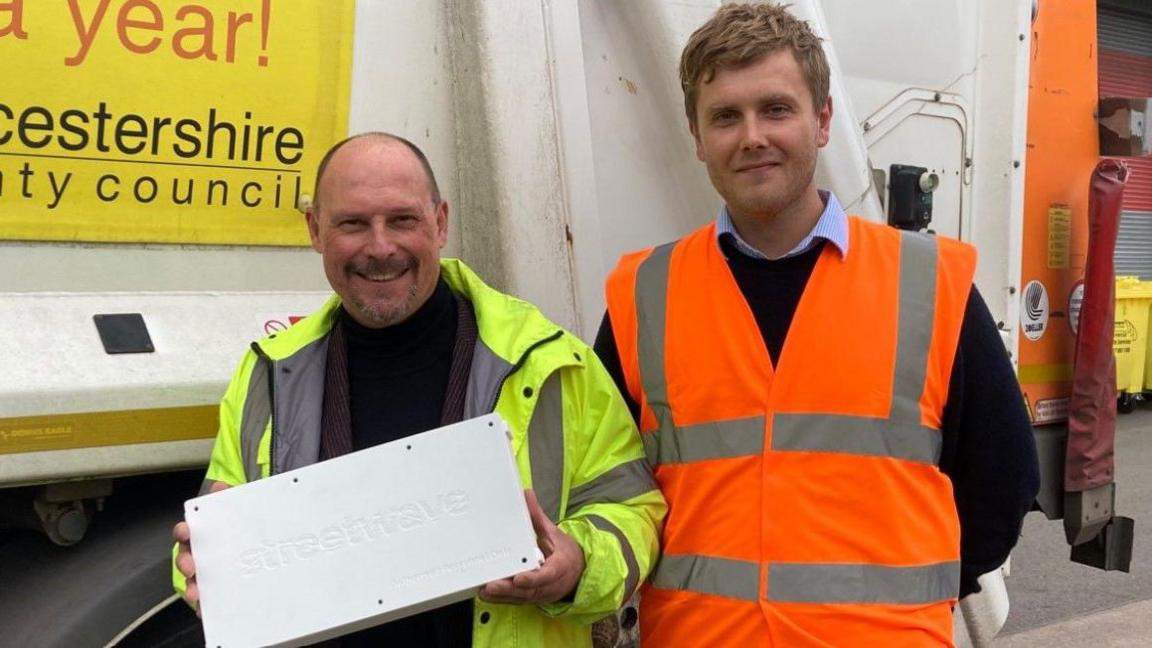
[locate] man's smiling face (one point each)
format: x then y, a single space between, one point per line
379 231
758 133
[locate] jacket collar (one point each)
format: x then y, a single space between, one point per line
508 326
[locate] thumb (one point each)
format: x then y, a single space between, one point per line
540 522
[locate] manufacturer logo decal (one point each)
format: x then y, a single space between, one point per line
273 554
1034 310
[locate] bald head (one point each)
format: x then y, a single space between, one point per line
382 139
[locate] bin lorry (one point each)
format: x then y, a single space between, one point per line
153 154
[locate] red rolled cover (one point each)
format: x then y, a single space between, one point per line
1092 407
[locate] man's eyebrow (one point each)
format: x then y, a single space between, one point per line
711 108
776 97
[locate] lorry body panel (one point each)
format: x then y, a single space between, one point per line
71 410
1063 150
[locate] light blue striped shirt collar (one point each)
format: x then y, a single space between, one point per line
831 226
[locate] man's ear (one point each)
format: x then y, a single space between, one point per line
824 118
312 218
442 223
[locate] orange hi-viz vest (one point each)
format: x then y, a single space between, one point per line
806 507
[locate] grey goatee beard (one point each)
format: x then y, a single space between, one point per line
393 313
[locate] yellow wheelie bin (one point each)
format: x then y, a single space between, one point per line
1130 340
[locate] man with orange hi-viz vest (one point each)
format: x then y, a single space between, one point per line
826 401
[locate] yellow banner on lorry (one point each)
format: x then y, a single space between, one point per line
168 121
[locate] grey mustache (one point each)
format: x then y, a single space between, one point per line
372 267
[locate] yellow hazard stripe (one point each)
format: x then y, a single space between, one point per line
1044 373
100 429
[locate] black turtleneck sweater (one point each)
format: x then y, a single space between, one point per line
397 377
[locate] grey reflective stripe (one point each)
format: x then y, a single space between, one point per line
738 579
651 318
900 435
818 583
546 446
856 435
916 318
485 378
712 440
254 418
298 383
619 484
810 582
632 578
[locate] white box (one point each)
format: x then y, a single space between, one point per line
362 539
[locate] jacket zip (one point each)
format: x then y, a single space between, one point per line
271 406
520 363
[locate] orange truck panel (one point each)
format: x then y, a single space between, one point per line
1063 149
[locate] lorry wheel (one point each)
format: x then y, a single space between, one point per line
113 588
174 626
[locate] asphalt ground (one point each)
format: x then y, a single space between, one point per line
1055 602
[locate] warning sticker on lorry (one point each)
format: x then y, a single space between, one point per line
168 121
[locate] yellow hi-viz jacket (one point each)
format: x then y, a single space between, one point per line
574 440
